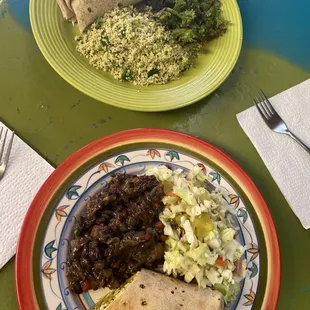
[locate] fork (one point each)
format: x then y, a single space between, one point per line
273 119
4 161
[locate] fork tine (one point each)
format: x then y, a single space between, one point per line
3 142
268 103
8 151
256 102
264 106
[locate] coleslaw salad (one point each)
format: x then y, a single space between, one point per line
201 246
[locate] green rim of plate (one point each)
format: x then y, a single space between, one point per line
55 38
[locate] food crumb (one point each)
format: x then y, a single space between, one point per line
142 285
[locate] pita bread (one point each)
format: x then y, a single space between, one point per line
148 290
87 11
66 9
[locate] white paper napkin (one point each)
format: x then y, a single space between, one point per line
25 173
287 162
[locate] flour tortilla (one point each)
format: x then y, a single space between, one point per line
66 9
85 12
149 290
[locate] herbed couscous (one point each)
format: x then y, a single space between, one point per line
132 46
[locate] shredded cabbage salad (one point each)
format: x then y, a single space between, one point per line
201 244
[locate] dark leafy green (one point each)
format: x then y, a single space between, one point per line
157 5
192 21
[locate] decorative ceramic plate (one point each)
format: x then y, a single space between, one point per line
55 38
43 247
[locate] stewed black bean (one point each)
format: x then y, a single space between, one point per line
118 233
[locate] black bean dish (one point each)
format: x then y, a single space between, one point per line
118 234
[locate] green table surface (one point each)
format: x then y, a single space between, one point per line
56 119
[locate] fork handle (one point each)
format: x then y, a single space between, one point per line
303 145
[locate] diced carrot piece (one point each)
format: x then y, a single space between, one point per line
85 285
147 236
220 262
115 265
159 225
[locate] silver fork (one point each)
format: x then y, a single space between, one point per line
4 161
273 119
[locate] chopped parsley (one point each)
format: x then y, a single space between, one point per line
127 75
153 72
104 39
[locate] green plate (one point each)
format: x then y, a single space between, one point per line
55 38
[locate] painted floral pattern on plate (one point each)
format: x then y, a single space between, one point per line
59 231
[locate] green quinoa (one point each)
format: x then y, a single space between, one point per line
134 47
